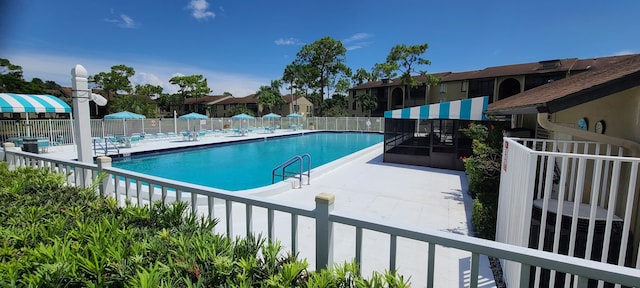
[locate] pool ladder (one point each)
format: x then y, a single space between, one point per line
295 159
105 147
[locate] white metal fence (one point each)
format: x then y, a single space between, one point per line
61 131
139 188
590 185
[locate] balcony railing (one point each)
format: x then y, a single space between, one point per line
141 189
574 198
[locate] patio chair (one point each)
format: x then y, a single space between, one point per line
149 137
134 140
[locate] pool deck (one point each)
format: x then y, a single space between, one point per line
365 186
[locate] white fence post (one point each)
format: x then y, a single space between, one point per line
10 159
324 231
106 186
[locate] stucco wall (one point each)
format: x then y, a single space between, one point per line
621 113
453 92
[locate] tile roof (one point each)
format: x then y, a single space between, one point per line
604 77
395 81
514 69
206 100
250 99
287 98
557 65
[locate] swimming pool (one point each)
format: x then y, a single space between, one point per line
248 165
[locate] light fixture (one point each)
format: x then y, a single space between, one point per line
98 99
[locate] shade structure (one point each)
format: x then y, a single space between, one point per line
194 116
28 103
271 116
465 109
124 115
242 116
295 116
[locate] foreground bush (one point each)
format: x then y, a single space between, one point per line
53 235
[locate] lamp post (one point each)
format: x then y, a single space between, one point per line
81 95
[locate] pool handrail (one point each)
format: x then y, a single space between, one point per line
291 161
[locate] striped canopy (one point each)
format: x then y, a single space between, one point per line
465 109
21 103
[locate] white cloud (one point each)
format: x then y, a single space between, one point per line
356 41
157 72
124 21
127 22
624 52
357 37
353 47
287 41
199 10
142 78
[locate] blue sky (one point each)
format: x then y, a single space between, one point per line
240 45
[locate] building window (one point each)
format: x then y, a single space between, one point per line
353 106
443 87
549 64
535 80
464 85
481 87
419 92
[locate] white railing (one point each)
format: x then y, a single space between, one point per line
591 185
141 189
61 131
58 131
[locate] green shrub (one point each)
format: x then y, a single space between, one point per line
483 170
54 235
484 215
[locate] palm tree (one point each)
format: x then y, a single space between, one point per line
270 96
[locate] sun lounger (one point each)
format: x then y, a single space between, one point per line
149 137
134 140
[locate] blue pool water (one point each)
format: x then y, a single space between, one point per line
248 165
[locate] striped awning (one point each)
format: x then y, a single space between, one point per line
465 109
21 103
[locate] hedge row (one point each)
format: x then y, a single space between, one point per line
54 235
